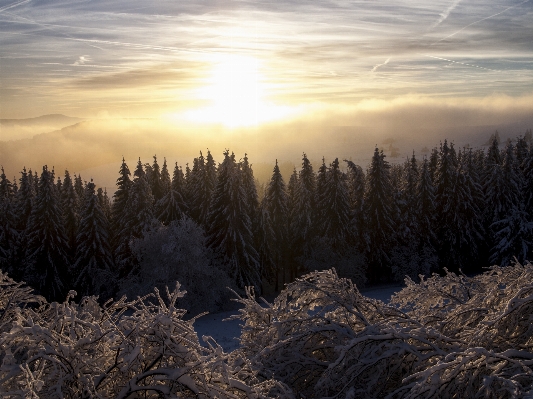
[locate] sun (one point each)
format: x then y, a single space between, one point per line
236 91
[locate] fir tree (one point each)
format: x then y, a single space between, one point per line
198 191
93 267
229 228
380 213
46 256
252 201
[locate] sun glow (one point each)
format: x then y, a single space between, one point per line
236 91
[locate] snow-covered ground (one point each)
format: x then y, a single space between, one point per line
226 333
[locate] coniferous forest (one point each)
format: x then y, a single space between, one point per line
168 245
459 209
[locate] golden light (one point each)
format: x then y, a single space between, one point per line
236 90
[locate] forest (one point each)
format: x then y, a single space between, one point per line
459 327
213 225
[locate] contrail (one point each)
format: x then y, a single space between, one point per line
15 4
462 63
379 65
481 20
445 14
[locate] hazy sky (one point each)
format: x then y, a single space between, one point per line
268 59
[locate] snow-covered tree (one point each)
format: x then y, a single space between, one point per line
229 228
178 252
94 264
46 259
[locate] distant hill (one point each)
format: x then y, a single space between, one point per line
56 119
19 129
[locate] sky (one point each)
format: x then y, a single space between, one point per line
249 62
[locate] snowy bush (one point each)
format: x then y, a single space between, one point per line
122 350
177 252
451 336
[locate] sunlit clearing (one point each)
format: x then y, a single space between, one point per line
236 91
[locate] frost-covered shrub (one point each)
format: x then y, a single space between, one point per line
177 252
122 350
451 336
323 338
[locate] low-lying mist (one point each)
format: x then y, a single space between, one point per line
95 147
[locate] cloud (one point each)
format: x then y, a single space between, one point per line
446 13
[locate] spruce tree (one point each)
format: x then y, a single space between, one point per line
250 190
446 180
121 215
79 187
379 231
275 227
140 204
105 204
229 228
172 206
426 217
198 191
156 184
70 203
94 265
321 198
356 189
336 224
166 182
303 219
8 231
46 260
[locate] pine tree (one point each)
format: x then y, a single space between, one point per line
380 213
46 256
274 226
70 203
94 265
229 228
172 206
